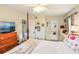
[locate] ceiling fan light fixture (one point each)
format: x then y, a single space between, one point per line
39 9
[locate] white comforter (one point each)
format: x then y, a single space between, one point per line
48 47
41 47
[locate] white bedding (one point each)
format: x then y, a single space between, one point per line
41 47
48 47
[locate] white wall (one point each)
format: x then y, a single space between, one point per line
7 14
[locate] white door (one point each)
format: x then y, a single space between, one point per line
32 29
52 30
34 33
40 32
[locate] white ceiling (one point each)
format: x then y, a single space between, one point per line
52 9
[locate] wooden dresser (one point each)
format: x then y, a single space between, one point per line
7 41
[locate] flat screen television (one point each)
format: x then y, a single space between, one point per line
6 27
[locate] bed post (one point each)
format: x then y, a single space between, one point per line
27 25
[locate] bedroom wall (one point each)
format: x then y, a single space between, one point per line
7 14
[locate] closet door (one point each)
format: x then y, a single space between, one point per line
52 30
40 31
37 28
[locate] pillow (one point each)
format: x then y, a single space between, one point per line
72 40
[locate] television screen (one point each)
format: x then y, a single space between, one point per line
6 27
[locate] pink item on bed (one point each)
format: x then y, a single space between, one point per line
73 41
72 36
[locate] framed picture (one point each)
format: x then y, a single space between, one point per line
37 28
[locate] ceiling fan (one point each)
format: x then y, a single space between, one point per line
37 7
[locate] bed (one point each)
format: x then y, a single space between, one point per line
42 47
